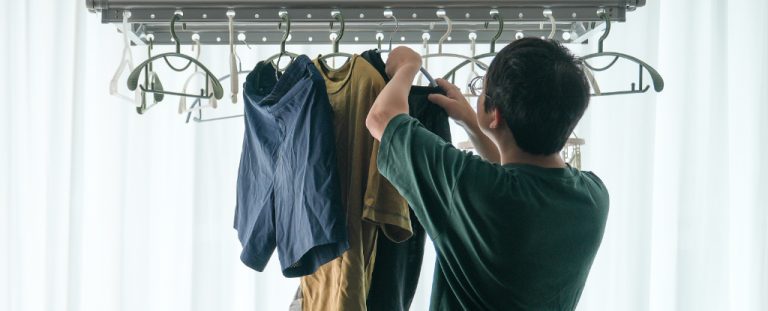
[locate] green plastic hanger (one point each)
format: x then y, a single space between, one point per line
149 75
658 81
339 18
285 19
133 78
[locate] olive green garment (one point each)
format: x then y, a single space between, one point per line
508 237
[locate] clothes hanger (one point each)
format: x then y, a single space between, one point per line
235 85
335 41
198 101
149 75
277 57
571 153
424 51
126 61
472 73
441 14
389 14
380 36
212 102
658 81
496 16
548 14
133 79
199 117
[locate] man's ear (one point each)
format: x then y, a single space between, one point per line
496 118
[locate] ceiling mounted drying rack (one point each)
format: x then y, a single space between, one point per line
368 22
365 19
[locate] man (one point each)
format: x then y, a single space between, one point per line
516 228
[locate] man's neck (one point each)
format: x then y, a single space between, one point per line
513 154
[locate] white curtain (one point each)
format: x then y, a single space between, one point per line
103 209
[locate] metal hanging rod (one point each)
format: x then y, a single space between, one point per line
257 20
355 33
234 4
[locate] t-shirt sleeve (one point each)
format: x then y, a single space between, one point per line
423 167
384 205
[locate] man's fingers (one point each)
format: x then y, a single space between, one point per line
450 89
441 100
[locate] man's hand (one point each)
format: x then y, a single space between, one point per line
455 104
458 108
402 58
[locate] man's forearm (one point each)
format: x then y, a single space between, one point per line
392 101
483 145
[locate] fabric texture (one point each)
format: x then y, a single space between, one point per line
398 265
512 237
288 194
369 199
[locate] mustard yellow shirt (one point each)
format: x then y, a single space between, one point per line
370 200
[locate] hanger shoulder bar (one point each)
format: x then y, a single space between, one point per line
133 78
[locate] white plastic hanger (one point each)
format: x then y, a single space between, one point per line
472 72
571 153
441 14
379 36
212 102
235 84
548 14
198 102
425 51
126 61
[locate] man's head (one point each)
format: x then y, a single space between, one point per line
538 90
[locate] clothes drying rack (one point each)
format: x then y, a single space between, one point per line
367 21
262 22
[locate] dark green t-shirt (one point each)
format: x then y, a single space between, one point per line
511 237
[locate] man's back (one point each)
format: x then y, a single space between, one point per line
508 237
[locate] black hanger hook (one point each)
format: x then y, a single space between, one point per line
176 17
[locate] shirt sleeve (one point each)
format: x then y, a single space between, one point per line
423 167
384 205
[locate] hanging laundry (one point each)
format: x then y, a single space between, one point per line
370 201
398 265
288 190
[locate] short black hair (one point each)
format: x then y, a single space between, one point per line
540 90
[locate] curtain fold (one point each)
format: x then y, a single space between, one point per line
102 209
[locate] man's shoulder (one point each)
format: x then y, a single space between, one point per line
595 181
